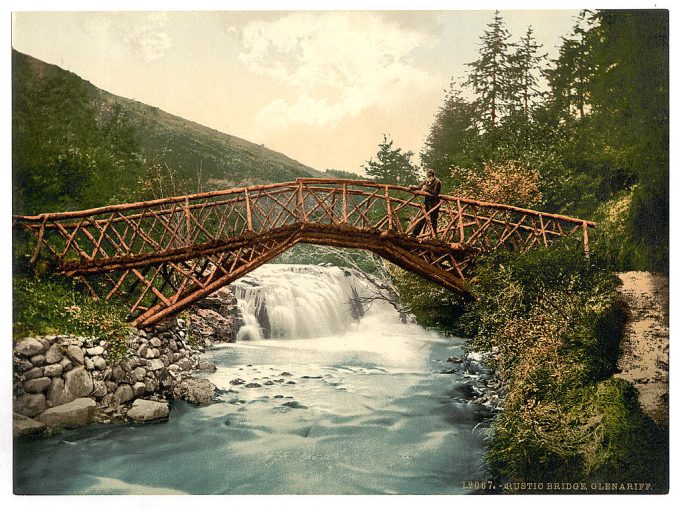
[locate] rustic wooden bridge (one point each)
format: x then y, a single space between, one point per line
161 256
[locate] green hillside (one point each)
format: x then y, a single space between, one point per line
76 146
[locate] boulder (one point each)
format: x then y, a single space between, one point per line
151 385
23 425
57 394
28 347
97 350
53 354
37 385
38 360
139 389
207 366
99 362
138 374
124 393
78 412
78 382
30 405
146 410
197 391
155 364
53 370
75 354
100 389
66 364
36 372
208 323
89 364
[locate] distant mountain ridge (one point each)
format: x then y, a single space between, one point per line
191 150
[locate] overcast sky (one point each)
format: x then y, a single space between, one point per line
321 87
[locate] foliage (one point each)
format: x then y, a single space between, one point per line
343 174
553 321
68 152
432 305
490 76
506 183
391 166
599 130
55 306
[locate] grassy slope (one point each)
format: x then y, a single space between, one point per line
184 145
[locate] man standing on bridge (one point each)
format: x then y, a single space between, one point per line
432 186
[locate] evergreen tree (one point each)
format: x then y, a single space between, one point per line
451 135
391 165
526 65
491 74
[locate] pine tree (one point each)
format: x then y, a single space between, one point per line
526 65
452 132
491 74
391 165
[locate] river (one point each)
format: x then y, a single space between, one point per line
335 405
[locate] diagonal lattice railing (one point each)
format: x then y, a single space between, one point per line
162 255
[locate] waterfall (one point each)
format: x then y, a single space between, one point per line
294 301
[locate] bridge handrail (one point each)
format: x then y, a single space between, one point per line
44 217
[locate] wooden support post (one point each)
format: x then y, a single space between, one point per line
344 203
249 212
41 235
389 208
586 247
461 229
301 202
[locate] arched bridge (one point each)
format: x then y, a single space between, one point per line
160 256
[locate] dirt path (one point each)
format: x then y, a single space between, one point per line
644 349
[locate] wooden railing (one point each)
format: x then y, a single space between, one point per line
162 252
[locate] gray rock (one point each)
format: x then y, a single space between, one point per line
37 385
53 354
66 364
22 364
28 347
78 412
135 362
30 405
207 366
117 373
99 362
138 374
151 385
139 389
36 372
172 345
100 389
22 425
97 350
155 342
124 393
57 394
53 370
110 385
146 410
185 364
89 364
75 353
155 364
78 382
197 391
38 360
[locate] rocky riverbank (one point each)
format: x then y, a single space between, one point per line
69 381
482 386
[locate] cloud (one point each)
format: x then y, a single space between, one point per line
338 64
142 33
